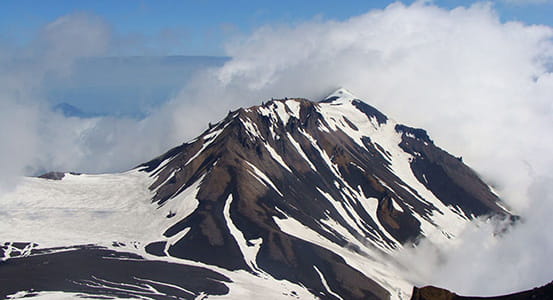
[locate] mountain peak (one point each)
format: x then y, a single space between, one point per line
270 178
341 94
302 197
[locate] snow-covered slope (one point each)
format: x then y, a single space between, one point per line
292 198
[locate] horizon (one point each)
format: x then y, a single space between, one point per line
205 27
145 77
165 29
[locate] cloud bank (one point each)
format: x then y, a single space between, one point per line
29 132
35 139
482 88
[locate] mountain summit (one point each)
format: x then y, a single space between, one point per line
305 191
306 199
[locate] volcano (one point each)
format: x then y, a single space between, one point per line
288 199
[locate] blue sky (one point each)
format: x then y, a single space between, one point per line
168 28
483 89
202 27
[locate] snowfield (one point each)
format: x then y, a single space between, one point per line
119 212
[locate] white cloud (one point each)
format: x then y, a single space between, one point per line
476 84
34 139
484 261
30 132
70 37
481 88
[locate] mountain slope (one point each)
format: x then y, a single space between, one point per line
298 197
433 293
280 186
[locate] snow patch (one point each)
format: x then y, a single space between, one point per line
325 284
370 263
249 253
277 157
300 151
261 177
396 206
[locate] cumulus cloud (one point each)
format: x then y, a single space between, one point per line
477 84
70 37
482 88
35 139
485 261
23 118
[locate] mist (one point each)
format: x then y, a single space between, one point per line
482 88
69 58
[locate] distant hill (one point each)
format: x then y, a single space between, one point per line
290 199
125 86
69 110
433 293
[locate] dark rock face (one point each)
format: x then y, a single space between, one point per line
289 160
93 270
53 175
433 293
56 175
316 194
370 111
446 176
